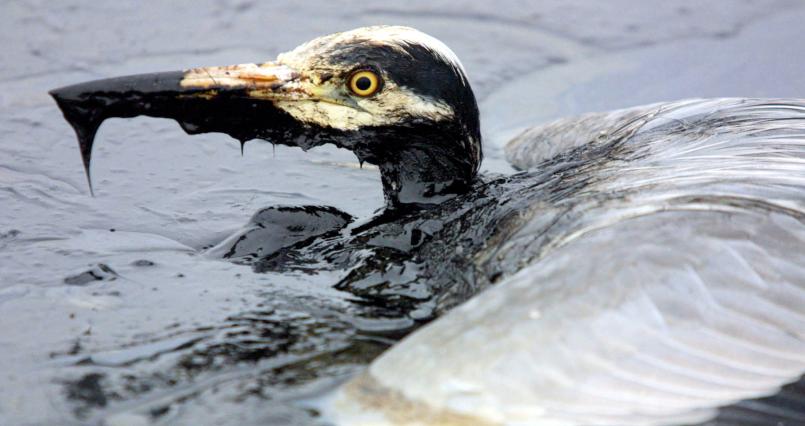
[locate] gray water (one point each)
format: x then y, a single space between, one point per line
97 293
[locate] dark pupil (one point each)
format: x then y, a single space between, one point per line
363 83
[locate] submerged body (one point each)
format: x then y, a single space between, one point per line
656 278
647 266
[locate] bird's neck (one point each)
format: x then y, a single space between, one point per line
425 173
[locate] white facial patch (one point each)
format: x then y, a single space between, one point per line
390 106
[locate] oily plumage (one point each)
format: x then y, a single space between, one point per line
674 289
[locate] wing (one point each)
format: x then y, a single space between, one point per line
655 320
675 287
540 143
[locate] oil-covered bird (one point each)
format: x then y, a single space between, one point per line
646 267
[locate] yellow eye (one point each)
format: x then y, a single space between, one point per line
364 83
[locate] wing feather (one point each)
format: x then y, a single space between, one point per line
649 342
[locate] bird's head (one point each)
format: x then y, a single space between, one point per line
394 96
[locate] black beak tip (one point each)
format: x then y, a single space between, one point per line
58 96
64 93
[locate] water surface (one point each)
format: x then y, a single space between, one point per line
107 309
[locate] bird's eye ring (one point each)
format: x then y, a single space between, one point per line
364 83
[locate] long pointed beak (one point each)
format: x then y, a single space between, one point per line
237 100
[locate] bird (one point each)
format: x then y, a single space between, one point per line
646 266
